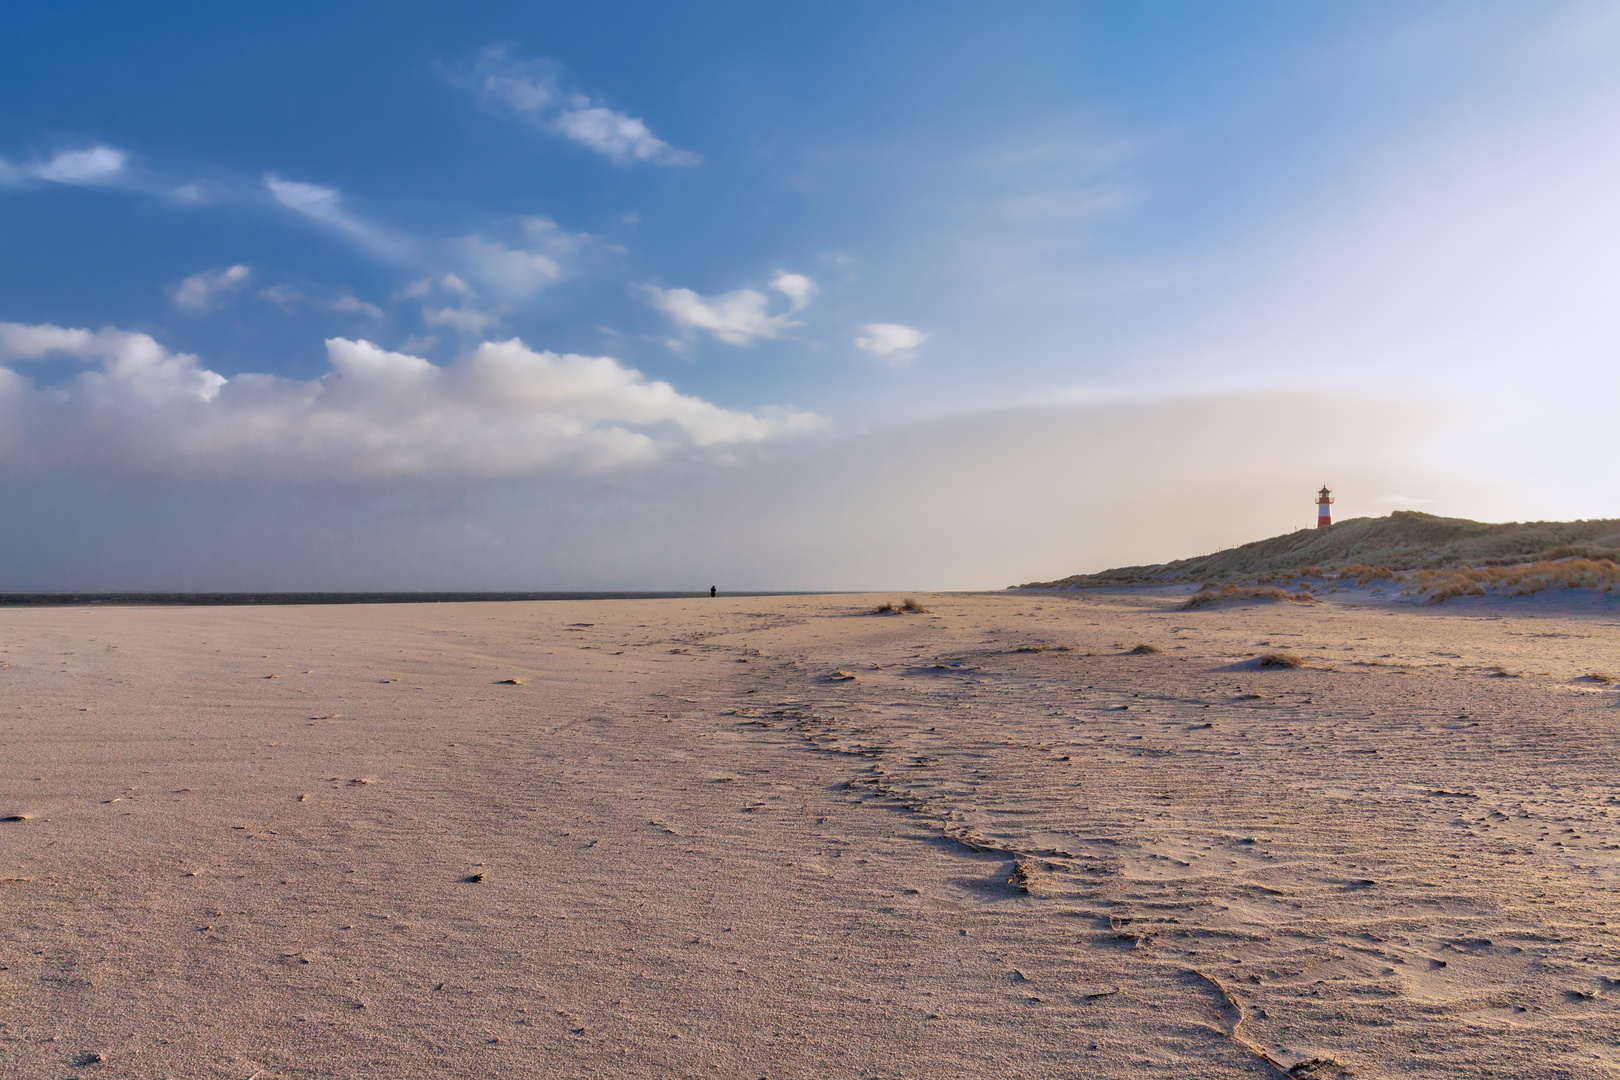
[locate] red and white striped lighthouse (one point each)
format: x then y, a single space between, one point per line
1324 500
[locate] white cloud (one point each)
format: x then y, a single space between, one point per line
447 300
107 167
616 136
450 283
135 370
97 165
325 206
893 342
796 287
466 318
499 410
531 90
288 297
283 296
540 258
204 292
93 165
354 305
739 317
508 271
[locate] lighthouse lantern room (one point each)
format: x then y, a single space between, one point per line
1324 515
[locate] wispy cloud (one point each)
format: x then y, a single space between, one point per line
347 304
324 206
90 166
466 318
201 293
740 317
532 90
501 409
102 166
95 165
893 343
539 257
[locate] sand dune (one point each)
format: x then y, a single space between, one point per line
672 838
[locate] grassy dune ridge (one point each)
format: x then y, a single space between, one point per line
1422 552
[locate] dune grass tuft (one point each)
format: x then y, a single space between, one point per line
1363 574
885 608
1265 593
915 608
1144 650
1280 659
1525 579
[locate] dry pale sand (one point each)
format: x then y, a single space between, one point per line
250 841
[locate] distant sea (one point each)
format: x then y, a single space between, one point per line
229 599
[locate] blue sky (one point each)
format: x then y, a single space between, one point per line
562 296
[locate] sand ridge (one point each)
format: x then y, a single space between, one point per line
638 838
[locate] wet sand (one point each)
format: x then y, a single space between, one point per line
337 841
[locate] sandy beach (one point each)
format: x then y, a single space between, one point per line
786 837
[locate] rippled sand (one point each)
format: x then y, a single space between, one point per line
300 842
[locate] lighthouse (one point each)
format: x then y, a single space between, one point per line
1324 500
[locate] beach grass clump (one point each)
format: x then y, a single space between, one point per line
915 608
885 608
1144 650
1225 593
1524 579
1279 659
1362 574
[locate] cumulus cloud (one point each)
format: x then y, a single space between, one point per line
90 166
892 342
501 409
206 291
135 372
739 317
796 287
532 90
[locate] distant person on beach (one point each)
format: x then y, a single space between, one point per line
711 590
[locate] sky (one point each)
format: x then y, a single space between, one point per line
910 295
